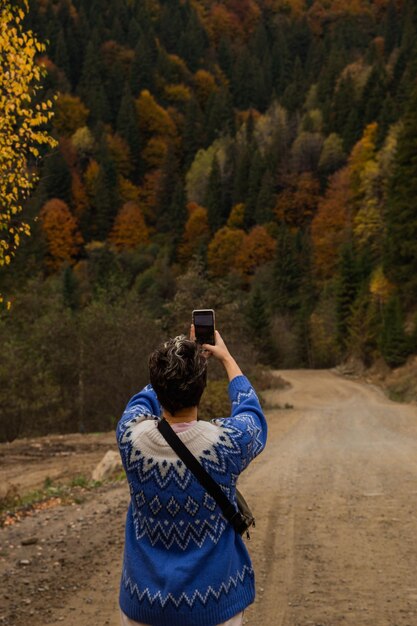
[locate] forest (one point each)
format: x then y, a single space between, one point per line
257 157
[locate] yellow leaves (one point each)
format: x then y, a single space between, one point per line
21 123
380 287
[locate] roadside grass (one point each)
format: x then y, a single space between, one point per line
15 505
275 406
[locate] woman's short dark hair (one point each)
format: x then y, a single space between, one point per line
178 373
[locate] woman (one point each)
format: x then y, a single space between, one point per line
184 564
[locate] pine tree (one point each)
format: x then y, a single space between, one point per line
75 54
91 88
287 277
364 327
70 289
56 180
256 173
214 200
266 199
241 178
344 97
346 290
134 33
114 88
225 57
374 94
170 174
294 93
391 28
220 115
401 213
141 74
178 211
393 343
259 322
61 54
106 198
127 124
193 135
193 42
281 66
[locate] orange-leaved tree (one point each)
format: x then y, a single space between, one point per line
196 231
62 236
332 225
129 230
297 204
23 115
222 250
256 249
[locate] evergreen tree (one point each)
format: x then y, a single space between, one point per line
346 291
295 92
387 117
193 42
214 198
337 59
394 344
266 199
134 33
241 179
281 65
106 198
364 326
245 80
220 115
178 210
193 135
401 211
286 275
391 28
127 124
343 100
170 173
114 88
70 290
374 95
61 56
75 54
259 322
56 179
90 87
256 173
225 57
141 69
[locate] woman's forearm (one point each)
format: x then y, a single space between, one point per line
231 367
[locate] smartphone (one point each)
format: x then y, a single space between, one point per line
203 320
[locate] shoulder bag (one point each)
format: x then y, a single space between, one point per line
241 518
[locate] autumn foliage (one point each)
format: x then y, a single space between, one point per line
129 230
23 116
223 250
60 229
196 231
332 224
257 248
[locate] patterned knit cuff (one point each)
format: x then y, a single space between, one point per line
238 383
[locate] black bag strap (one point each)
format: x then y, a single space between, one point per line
230 512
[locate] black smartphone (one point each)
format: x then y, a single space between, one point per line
203 320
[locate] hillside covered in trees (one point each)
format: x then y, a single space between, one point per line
254 156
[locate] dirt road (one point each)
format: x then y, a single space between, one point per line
336 536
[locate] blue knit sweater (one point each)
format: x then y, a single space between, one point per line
184 564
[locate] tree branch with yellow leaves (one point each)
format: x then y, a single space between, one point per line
23 119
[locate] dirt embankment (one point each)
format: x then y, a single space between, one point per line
334 497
